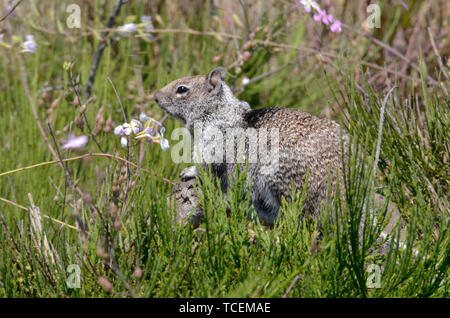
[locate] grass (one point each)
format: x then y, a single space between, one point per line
126 242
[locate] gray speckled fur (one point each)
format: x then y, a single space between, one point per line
305 142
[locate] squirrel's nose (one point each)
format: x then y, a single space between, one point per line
157 97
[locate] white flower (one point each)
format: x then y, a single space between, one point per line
123 142
308 4
245 81
136 125
149 28
314 5
160 134
118 131
156 122
143 117
164 144
147 20
128 28
29 45
126 129
74 142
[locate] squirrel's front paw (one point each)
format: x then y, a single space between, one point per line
185 197
189 173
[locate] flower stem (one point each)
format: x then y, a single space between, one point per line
107 155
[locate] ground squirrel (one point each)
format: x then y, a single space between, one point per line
304 142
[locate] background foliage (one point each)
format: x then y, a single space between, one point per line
112 218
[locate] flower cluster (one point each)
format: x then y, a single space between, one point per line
28 46
321 15
146 128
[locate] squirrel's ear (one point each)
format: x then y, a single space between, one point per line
216 76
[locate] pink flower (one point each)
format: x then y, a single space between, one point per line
405 5
106 284
322 15
137 273
74 142
319 15
327 19
336 26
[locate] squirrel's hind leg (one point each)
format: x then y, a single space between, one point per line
265 204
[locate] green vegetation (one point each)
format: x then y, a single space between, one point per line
112 218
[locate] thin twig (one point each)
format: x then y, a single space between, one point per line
107 155
11 11
118 99
288 46
197 245
80 222
193 32
101 48
260 77
34 109
412 40
44 215
113 263
439 58
296 278
128 148
63 205
236 44
72 84
12 191
380 129
66 171
388 48
330 55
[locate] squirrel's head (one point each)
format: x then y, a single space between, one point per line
195 97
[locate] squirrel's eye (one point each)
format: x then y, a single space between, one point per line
182 89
